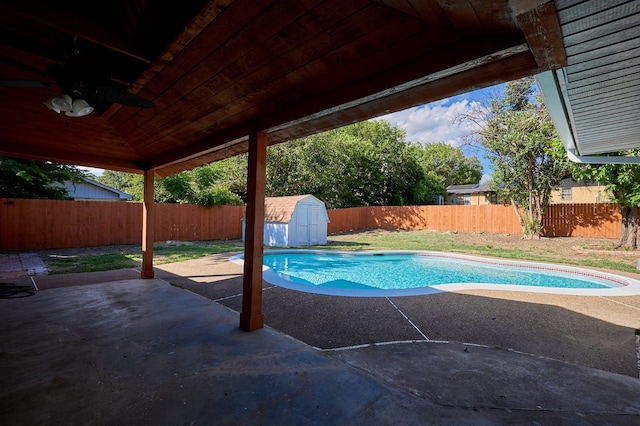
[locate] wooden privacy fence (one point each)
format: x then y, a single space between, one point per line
560 220
47 224
582 220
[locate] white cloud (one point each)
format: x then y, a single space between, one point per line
96 172
434 122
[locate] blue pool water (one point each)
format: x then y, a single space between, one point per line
410 270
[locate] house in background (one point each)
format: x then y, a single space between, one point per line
297 220
93 190
573 192
473 194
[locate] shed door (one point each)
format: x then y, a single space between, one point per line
308 224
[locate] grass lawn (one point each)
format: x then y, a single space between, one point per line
592 253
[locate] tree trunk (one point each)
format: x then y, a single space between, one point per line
629 228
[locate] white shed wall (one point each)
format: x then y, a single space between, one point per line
276 234
307 226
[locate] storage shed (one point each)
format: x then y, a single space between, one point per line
298 220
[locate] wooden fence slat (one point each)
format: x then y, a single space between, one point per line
47 224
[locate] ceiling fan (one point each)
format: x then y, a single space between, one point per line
85 82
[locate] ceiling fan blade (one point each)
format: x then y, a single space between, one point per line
22 66
26 83
120 96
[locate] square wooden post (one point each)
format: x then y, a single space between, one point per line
148 222
251 317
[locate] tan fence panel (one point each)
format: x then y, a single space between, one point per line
345 220
490 218
188 222
582 220
44 224
48 224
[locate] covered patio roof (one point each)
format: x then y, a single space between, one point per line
176 86
218 70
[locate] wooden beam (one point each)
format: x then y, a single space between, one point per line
45 153
251 317
148 225
538 21
517 66
452 60
205 145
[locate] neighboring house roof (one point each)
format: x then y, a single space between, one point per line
570 183
468 189
94 190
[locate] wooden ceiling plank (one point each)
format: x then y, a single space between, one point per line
263 101
352 90
217 142
300 54
205 34
46 14
431 12
518 66
257 67
462 16
395 51
494 16
226 48
296 115
40 126
209 13
403 6
63 156
232 151
466 54
263 91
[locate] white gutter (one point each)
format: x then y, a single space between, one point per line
552 85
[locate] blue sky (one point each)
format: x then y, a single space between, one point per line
431 122
434 122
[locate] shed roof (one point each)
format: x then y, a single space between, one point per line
281 209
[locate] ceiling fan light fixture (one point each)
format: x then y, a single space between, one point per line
62 102
59 103
79 108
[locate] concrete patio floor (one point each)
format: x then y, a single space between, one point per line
109 348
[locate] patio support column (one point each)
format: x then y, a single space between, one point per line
251 317
148 224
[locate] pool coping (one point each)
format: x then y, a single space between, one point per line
629 286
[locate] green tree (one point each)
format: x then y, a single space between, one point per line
450 163
368 163
35 179
206 185
131 183
525 151
623 185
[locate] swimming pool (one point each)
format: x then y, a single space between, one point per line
405 273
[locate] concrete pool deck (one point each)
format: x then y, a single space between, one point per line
109 348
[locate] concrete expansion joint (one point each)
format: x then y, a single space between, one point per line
638 351
407 318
